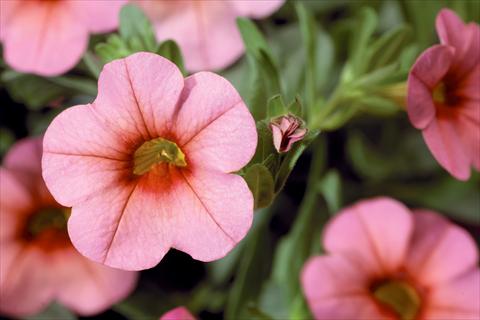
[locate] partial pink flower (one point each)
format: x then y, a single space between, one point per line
286 130
179 313
48 37
383 262
148 165
205 30
38 263
444 97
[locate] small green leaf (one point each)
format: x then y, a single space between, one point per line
170 50
361 33
331 188
265 142
135 25
252 38
295 107
276 107
114 48
260 182
54 311
388 47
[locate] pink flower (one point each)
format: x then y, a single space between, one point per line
147 166
286 130
180 313
38 264
383 262
444 96
205 30
48 37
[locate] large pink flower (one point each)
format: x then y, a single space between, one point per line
383 262
38 264
179 313
146 166
205 30
444 95
48 37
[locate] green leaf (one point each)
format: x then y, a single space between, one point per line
260 182
276 107
114 48
331 188
170 50
252 38
289 161
361 33
388 47
135 27
53 312
309 34
295 107
36 92
265 142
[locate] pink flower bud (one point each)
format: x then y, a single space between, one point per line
286 131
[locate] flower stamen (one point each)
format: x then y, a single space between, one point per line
156 151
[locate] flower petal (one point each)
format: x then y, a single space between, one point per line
427 72
15 203
468 126
132 101
99 15
82 156
179 313
336 289
444 143
439 249
87 287
205 31
25 284
374 231
35 34
256 9
188 212
7 10
215 213
458 299
450 29
216 130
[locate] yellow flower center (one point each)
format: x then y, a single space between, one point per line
399 297
156 151
440 93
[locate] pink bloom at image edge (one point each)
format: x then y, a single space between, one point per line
378 250
205 30
179 313
48 38
38 264
444 96
148 165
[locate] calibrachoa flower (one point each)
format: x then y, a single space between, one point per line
48 37
180 313
205 30
286 130
38 264
383 262
146 166
444 96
